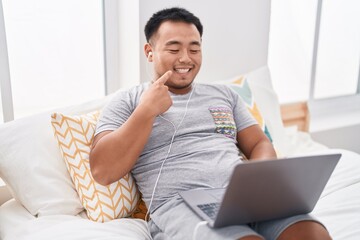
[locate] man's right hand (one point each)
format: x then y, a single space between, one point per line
157 99
114 153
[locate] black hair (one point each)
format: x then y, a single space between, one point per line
175 14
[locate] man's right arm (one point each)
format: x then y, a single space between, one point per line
114 153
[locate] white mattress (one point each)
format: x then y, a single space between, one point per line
18 224
338 208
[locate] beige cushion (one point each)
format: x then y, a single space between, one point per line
102 203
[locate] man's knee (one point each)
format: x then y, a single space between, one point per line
310 230
251 238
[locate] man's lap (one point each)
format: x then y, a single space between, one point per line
175 220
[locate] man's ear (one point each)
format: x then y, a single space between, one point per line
148 52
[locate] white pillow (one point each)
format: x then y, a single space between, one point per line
267 101
32 166
261 77
269 107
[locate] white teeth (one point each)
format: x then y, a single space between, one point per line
182 70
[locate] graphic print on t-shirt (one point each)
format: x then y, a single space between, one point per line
224 121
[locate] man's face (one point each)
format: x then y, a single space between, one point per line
176 46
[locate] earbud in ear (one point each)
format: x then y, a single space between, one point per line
150 55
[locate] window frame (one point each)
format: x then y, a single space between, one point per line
332 107
5 82
314 61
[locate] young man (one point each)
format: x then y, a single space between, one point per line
169 135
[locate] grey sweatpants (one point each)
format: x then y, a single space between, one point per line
175 220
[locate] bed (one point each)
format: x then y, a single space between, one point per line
45 202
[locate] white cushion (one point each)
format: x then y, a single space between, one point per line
32 166
261 77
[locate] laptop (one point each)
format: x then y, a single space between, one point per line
263 190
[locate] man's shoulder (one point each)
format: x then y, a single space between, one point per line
214 87
134 89
130 92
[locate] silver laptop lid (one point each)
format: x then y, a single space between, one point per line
268 189
263 190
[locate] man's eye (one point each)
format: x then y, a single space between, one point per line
195 51
173 50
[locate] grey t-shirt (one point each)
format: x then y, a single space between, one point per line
204 149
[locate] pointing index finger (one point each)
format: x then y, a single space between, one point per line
164 77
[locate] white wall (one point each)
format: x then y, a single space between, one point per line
235 38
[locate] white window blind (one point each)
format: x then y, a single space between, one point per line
56 53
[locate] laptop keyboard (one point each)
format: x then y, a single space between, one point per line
210 209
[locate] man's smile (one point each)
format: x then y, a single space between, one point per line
183 69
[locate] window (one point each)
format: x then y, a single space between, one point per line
314 49
56 53
338 53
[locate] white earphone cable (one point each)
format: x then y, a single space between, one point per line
168 152
197 228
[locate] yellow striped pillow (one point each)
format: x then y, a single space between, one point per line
242 87
102 203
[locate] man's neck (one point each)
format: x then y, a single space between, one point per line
181 91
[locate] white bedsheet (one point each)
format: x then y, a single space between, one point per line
18 224
339 204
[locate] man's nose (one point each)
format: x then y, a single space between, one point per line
184 57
